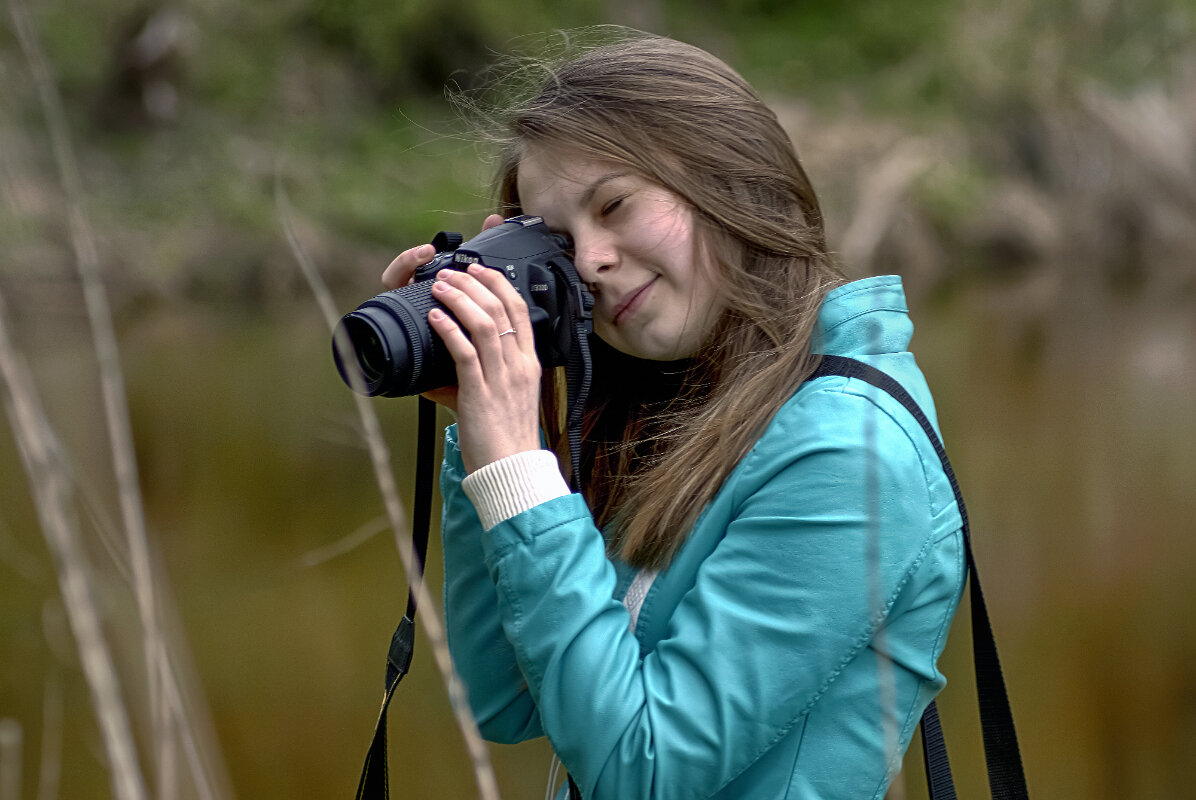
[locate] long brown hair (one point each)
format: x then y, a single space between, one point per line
662 438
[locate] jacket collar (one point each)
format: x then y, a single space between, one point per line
864 317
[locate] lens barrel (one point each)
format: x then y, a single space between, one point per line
390 349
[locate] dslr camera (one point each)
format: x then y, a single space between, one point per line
386 347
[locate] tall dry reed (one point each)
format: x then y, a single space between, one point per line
54 490
53 495
432 625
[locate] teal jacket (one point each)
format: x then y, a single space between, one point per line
790 647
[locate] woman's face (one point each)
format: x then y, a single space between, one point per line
633 241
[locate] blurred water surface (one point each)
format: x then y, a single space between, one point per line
1072 435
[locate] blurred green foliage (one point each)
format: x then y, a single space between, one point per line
344 99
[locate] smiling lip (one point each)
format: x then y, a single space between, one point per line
632 301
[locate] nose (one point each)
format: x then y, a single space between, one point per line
594 255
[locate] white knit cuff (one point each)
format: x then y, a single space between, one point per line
512 485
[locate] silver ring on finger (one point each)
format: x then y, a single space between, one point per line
508 330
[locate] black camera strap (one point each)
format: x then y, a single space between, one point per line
1002 756
579 369
374 783
1006 779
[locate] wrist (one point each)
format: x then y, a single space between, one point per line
474 460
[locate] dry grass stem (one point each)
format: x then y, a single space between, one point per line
53 499
116 413
886 678
191 750
320 555
432 626
187 707
50 772
11 739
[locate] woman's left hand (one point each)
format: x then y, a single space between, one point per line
498 372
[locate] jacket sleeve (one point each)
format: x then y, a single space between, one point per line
830 519
482 655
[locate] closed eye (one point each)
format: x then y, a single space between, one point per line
612 206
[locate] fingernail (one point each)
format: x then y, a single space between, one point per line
436 314
425 251
475 269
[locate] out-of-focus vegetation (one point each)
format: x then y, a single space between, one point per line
1028 167
992 122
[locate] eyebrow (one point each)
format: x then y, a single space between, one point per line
593 188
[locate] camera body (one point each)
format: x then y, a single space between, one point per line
396 353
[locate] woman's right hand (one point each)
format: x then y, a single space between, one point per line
400 272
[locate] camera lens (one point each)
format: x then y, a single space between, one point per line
393 350
368 352
372 356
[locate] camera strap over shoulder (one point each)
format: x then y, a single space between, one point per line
1002 756
1006 778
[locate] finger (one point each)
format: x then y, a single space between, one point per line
477 310
398 272
491 221
514 304
483 294
459 345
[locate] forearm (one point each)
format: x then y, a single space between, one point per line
481 652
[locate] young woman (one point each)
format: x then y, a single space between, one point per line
750 594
